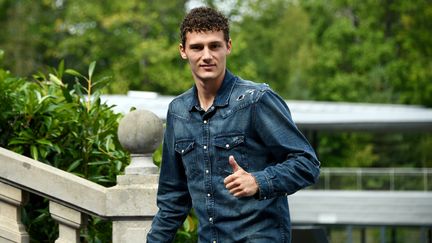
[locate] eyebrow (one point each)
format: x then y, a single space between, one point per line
201 44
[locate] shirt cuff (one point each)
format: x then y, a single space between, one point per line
265 187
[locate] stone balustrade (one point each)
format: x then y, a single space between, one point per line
130 205
11 229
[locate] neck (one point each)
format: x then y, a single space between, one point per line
207 91
206 96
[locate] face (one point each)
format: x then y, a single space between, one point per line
206 53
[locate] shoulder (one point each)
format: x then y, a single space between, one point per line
251 90
180 105
260 94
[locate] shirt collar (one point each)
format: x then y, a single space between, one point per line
222 96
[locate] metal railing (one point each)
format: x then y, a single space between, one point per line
388 179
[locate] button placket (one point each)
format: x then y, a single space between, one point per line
208 176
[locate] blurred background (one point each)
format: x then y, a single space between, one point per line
337 50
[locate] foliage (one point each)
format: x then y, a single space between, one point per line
135 42
335 50
64 126
339 50
188 232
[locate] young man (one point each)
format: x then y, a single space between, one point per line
231 150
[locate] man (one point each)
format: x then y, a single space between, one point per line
231 150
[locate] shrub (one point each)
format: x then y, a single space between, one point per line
66 126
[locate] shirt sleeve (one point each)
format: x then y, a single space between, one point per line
173 198
296 164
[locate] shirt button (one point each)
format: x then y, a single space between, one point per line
182 151
207 171
208 195
227 145
205 147
214 241
211 220
205 121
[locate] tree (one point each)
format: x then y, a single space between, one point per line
135 42
365 51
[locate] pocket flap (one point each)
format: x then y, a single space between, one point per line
184 146
229 142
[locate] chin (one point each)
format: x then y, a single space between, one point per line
207 76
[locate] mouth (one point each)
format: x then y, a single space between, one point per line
207 66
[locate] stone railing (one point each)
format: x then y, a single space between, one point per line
130 205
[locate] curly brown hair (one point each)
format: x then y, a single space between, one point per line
204 19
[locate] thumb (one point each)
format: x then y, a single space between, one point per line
234 164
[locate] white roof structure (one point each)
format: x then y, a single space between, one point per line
309 115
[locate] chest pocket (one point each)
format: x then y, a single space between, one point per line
185 149
226 145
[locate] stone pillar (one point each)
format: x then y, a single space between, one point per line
132 203
11 229
69 220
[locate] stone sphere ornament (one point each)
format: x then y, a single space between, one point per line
140 132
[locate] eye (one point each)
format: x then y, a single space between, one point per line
215 46
196 47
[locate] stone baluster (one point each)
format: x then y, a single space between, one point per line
69 220
132 203
11 229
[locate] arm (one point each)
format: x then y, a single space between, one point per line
173 197
297 165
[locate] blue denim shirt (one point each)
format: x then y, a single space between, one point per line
252 123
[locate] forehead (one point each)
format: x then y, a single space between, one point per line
203 37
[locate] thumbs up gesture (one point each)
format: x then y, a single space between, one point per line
240 183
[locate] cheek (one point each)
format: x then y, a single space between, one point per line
192 63
193 58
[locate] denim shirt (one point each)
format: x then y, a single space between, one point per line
252 123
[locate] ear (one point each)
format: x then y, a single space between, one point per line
229 46
182 52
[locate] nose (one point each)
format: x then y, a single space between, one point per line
207 56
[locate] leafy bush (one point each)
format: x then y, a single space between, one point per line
66 126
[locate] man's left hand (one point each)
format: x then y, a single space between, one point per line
240 183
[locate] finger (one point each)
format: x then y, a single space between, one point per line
240 192
232 185
234 177
236 192
229 179
233 164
